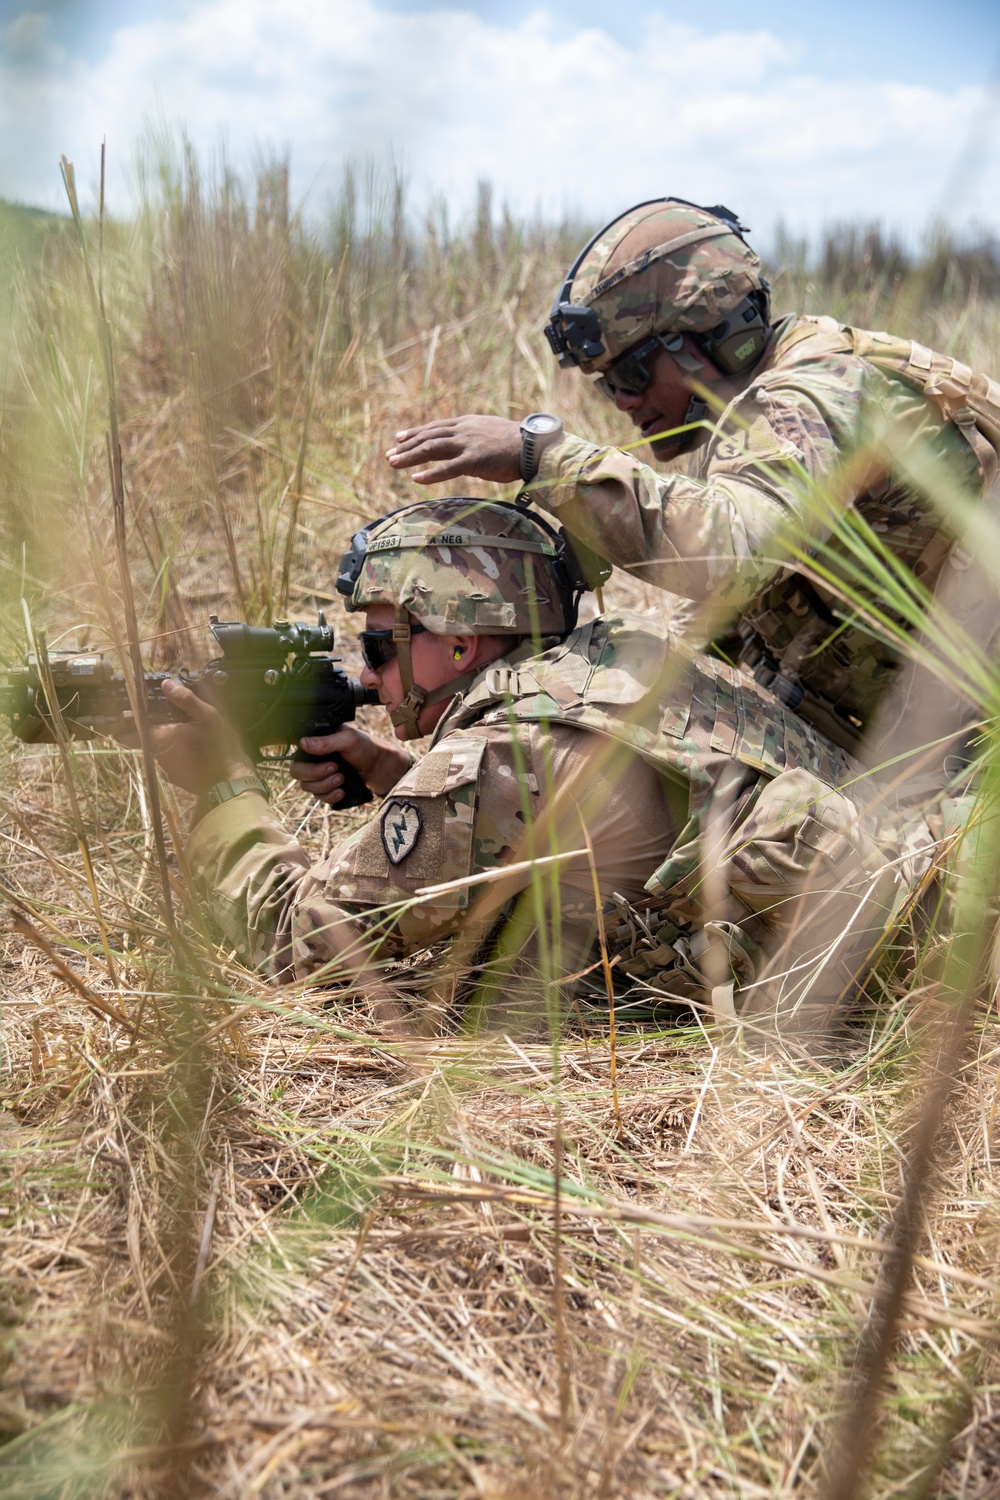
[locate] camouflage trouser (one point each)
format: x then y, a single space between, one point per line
780 922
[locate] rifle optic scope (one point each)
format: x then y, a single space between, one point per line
271 643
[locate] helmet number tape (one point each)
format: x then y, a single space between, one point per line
471 539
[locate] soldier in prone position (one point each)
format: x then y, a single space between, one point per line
783 443
705 803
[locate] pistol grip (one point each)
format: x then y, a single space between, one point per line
356 793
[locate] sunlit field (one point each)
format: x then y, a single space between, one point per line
302 1242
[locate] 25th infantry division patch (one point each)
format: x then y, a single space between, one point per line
401 825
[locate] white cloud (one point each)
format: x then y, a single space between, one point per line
563 121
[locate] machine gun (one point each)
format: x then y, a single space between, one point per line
274 684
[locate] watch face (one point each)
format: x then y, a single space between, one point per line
539 423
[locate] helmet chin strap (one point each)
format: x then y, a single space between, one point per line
697 411
416 698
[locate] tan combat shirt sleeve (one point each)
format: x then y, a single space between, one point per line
714 532
464 808
292 917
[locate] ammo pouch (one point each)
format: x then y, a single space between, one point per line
660 946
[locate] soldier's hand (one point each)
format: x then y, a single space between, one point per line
456 447
202 752
379 763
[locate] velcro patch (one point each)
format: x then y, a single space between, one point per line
401 826
444 847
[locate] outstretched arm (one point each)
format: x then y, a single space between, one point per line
698 539
711 534
470 447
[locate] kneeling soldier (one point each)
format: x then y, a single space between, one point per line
572 766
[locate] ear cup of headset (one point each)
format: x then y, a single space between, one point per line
738 343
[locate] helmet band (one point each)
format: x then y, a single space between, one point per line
659 252
456 538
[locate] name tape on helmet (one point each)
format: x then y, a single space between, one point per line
459 539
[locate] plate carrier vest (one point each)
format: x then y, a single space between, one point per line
687 714
794 635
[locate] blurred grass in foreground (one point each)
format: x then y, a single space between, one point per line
257 1243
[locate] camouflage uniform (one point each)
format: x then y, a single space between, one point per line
818 429
829 433
648 745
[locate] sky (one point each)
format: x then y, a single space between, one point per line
801 113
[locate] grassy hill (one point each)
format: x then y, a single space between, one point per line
25 232
278 1243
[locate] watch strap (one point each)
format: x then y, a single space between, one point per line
225 791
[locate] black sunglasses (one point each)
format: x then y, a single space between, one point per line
378 647
629 373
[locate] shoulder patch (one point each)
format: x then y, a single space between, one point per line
401 826
422 834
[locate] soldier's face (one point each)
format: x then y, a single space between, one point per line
664 403
434 664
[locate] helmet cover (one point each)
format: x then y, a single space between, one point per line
462 566
665 266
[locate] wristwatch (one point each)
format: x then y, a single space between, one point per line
225 791
538 432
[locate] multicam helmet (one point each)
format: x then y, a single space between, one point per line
461 566
666 266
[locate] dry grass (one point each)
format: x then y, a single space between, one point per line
379 1308
262 1243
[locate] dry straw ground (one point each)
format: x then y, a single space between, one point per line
258 1243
